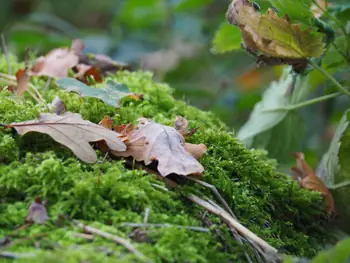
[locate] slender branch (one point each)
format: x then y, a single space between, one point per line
194 228
114 238
330 77
215 192
232 222
305 103
4 47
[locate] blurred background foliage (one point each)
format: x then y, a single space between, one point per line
173 38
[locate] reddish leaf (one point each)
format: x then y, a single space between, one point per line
307 178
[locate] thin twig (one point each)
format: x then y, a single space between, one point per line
215 192
232 222
11 255
114 238
4 47
145 219
83 236
194 228
47 84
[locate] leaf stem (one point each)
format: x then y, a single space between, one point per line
330 77
306 103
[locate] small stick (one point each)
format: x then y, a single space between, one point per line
114 238
84 236
47 84
4 47
232 222
215 192
194 228
145 219
10 255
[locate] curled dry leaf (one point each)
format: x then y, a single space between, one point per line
23 79
37 212
72 131
150 141
271 35
85 72
307 178
57 106
181 125
111 94
58 61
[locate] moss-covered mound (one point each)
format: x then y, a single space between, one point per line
107 194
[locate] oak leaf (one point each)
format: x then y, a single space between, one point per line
307 178
271 35
58 61
111 94
150 141
37 212
72 131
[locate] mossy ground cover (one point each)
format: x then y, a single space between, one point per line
107 194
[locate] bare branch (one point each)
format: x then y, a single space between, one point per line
4 48
114 238
194 228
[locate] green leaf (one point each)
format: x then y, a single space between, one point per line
111 94
226 39
297 10
333 59
271 110
334 169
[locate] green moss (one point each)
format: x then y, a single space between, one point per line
267 202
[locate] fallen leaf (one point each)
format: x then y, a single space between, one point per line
271 35
85 72
150 141
197 150
58 61
57 106
37 212
103 63
181 125
111 94
307 178
23 79
72 131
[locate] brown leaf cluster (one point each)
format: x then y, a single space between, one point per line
150 142
307 178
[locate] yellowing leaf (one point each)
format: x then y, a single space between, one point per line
271 35
150 141
72 131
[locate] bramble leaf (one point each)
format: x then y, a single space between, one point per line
226 39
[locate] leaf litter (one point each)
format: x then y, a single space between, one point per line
72 131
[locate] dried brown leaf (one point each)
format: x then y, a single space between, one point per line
150 141
37 212
72 131
22 81
58 61
307 178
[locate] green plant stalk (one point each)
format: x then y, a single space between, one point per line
333 80
341 26
306 103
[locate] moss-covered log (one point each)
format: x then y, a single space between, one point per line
107 194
